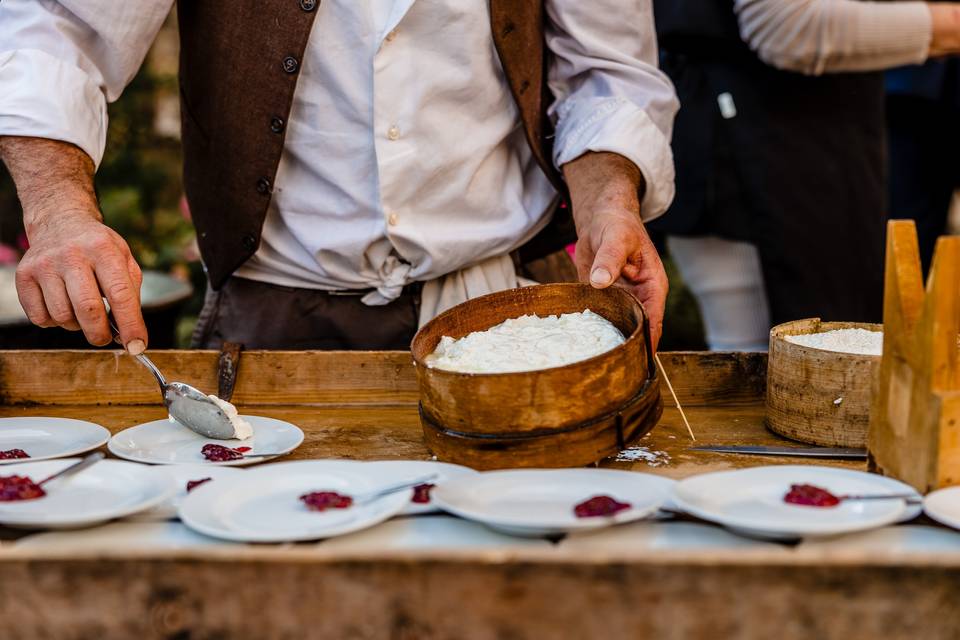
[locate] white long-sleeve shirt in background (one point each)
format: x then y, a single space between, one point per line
405 157
827 36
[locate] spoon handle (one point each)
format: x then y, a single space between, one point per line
141 358
75 468
887 496
409 484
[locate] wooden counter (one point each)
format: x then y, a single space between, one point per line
363 405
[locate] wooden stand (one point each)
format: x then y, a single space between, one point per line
915 420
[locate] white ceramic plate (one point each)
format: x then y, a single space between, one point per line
47 438
402 470
166 442
750 501
538 502
264 504
943 506
182 474
107 490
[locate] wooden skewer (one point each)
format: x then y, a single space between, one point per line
673 393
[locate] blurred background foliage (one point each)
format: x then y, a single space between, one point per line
140 190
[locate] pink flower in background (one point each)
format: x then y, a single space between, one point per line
572 250
8 255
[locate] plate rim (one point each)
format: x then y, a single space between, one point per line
106 435
157 499
242 462
824 530
396 503
932 497
633 515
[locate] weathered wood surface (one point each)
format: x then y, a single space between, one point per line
817 396
491 598
364 406
313 377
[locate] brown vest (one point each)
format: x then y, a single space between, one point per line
239 63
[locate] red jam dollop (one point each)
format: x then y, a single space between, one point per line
193 484
599 506
810 496
421 493
323 500
220 453
13 488
13 454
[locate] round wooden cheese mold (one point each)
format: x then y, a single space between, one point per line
815 396
561 417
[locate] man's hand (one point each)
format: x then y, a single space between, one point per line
74 259
613 246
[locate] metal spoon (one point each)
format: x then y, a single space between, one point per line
75 468
386 491
187 405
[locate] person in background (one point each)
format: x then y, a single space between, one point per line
780 153
923 126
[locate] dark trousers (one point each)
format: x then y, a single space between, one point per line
267 316
924 138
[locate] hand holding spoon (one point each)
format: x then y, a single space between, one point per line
187 405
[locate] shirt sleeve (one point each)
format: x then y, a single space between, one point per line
62 61
823 36
610 95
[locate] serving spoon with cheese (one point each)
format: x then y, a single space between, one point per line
186 404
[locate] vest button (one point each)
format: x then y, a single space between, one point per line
308 5
291 64
263 186
249 242
276 124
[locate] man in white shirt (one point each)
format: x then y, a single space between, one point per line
395 179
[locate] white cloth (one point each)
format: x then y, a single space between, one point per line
405 157
825 36
726 279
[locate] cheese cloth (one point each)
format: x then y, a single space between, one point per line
489 276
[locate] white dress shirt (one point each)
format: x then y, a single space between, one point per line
405 157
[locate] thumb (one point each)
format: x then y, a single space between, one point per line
609 261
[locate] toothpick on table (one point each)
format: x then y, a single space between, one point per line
676 401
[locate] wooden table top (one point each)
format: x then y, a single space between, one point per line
363 406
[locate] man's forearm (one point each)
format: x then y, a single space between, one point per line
945 36
596 179
52 177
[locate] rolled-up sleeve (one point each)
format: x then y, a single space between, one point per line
610 96
61 62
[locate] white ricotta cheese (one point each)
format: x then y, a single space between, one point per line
241 428
528 343
856 341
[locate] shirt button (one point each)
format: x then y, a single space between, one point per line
249 242
393 133
276 124
391 36
308 5
393 219
263 186
291 64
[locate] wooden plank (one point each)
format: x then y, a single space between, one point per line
265 378
474 599
311 377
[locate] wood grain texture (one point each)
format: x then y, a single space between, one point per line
499 597
804 385
915 419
